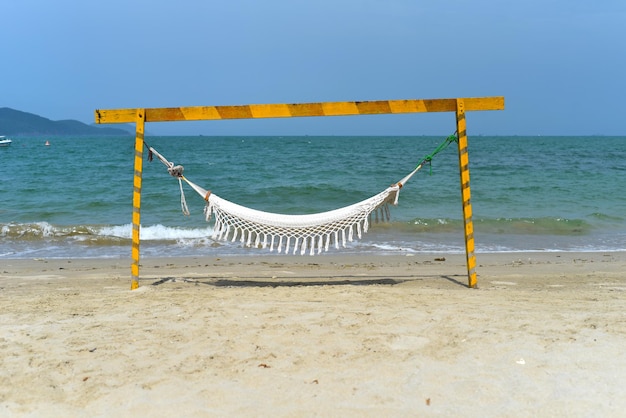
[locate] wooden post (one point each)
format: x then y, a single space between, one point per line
139 137
465 193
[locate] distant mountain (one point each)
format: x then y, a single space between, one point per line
14 122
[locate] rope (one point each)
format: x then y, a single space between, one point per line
175 171
428 158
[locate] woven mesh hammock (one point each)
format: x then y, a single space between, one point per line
280 232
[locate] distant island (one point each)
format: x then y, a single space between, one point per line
17 123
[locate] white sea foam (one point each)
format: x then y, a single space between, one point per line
157 232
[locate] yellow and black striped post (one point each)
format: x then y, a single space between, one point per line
139 138
465 192
290 110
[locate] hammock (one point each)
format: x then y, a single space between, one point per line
280 232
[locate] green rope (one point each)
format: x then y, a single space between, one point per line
428 158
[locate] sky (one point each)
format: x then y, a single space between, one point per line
560 64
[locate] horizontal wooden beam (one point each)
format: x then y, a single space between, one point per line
253 111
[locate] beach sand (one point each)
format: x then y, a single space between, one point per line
335 335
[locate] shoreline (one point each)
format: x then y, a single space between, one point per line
326 265
341 334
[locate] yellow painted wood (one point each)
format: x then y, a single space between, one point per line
465 192
139 144
298 110
459 105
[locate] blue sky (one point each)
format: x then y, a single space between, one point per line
560 64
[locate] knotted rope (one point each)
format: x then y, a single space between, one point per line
175 171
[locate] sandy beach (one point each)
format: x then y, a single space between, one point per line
335 335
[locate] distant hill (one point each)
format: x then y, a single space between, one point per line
14 122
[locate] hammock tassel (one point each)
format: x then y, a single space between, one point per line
208 212
183 201
295 245
303 250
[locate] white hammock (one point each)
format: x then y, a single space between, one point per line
300 232
280 232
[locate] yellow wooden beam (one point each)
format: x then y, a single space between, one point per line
254 111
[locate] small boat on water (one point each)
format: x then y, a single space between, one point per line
4 141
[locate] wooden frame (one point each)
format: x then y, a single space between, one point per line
140 116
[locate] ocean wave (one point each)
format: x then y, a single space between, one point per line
435 236
42 230
157 232
535 226
199 235
510 226
100 234
607 218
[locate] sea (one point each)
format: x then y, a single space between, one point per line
73 197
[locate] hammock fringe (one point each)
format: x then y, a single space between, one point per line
311 238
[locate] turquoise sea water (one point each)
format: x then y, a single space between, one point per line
74 197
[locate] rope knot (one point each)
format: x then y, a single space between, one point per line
176 171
